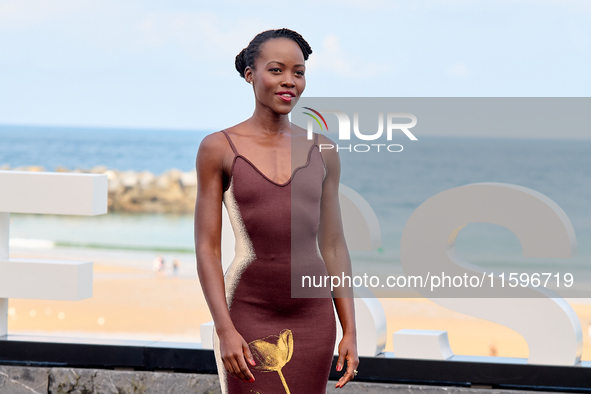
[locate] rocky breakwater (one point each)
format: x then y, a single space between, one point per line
173 191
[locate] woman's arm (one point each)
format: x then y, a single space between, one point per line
208 228
333 248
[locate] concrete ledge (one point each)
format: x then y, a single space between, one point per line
41 380
44 380
189 358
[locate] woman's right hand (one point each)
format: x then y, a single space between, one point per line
235 353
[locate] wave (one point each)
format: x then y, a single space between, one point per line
125 247
43 243
30 243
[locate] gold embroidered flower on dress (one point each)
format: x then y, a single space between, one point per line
273 352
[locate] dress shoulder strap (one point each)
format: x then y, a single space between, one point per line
230 141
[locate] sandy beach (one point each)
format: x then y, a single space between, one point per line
131 301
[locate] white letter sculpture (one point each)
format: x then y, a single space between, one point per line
52 194
546 321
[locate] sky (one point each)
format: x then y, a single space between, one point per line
170 64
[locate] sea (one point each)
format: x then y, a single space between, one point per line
394 184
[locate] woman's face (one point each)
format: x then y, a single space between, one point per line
278 77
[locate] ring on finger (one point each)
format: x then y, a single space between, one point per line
355 373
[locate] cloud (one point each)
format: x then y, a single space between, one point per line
578 4
25 13
333 58
367 4
460 69
123 27
197 32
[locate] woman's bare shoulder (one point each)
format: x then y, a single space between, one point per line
323 139
217 141
215 152
212 144
327 147
215 149
237 128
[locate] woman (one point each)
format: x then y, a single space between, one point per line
266 341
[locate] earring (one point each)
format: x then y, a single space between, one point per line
251 82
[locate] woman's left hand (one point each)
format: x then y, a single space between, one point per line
347 351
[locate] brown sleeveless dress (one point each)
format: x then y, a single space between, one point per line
292 339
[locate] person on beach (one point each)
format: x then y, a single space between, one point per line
158 262
175 267
265 340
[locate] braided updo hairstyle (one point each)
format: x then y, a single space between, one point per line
248 55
